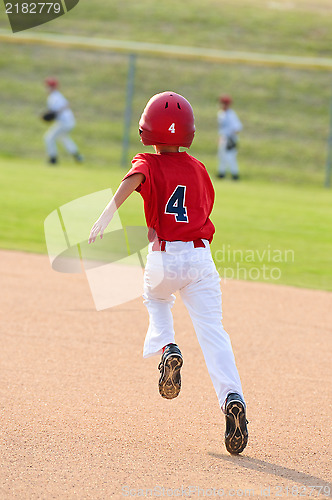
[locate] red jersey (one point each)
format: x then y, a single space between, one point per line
178 195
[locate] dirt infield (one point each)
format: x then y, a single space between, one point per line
81 416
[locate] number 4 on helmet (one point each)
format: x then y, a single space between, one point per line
172 128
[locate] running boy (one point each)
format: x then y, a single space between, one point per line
178 199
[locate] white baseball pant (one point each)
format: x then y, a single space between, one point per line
193 272
59 131
227 159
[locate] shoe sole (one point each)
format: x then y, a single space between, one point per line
237 437
170 380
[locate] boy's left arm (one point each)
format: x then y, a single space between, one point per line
124 190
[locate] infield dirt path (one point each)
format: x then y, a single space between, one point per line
81 416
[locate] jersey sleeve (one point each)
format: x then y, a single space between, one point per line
140 166
236 123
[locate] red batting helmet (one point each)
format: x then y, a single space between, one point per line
168 118
226 99
51 82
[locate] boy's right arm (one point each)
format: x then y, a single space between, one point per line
124 190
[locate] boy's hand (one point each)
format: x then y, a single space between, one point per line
99 227
125 189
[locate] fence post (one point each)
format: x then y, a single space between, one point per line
128 110
329 152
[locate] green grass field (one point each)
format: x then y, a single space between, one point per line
297 27
263 231
285 111
279 210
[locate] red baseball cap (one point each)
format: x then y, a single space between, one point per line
226 99
52 82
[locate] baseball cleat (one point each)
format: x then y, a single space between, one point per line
52 160
78 157
236 435
169 367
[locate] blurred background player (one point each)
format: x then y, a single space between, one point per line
178 198
64 123
229 126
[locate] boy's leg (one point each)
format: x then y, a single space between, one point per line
222 160
160 335
233 165
50 141
159 299
203 301
69 144
161 328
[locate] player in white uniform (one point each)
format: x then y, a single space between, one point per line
64 123
229 126
178 198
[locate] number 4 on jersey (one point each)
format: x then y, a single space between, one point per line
175 204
